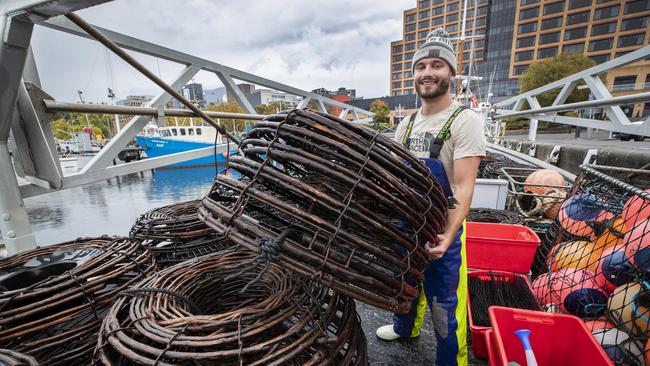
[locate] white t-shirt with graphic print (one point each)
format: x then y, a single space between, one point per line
466 136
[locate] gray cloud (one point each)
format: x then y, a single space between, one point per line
306 44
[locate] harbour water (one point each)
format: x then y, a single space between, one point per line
112 206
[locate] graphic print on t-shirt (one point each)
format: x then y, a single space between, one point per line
421 142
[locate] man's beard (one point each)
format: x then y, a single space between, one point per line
442 88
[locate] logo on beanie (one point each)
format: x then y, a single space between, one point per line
439 35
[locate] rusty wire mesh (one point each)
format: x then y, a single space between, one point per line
490 166
13 358
495 216
334 201
174 233
195 313
53 299
597 266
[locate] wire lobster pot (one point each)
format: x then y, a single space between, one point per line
208 311
53 299
13 358
333 201
174 233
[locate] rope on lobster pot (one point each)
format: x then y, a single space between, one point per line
268 251
279 320
53 299
366 204
174 233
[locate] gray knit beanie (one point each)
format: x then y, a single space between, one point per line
437 45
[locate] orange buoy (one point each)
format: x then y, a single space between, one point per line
545 177
577 254
614 234
635 210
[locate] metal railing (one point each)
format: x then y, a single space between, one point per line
616 120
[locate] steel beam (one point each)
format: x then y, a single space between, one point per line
566 91
532 128
105 156
624 99
15 35
43 9
234 90
614 112
604 67
632 128
304 102
40 139
125 56
151 49
14 223
54 106
321 106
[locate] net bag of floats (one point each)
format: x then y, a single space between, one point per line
174 233
53 299
207 311
599 266
334 201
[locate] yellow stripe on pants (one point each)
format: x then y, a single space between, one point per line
461 308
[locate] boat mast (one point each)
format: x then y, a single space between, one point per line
461 47
471 50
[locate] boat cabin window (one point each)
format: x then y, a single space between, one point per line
165 133
198 131
190 131
174 132
183 133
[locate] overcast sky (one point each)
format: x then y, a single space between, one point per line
306 44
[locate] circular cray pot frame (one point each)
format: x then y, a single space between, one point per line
174 233
334 201
53 299
13 358
209 311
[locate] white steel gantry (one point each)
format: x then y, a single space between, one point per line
25 123
616 121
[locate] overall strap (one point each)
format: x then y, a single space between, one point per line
444 133
409 127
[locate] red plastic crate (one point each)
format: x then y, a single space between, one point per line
479 333
556 339
491 360
501 247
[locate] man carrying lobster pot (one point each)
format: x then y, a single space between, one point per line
449 139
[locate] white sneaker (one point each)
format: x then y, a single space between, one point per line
386 333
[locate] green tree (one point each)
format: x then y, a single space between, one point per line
546 71
69 123
62 129
270 108
381 111
228 123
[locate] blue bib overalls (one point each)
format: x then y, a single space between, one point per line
445 284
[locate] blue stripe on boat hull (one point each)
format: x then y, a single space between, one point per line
157 146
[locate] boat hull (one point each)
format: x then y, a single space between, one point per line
160 146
